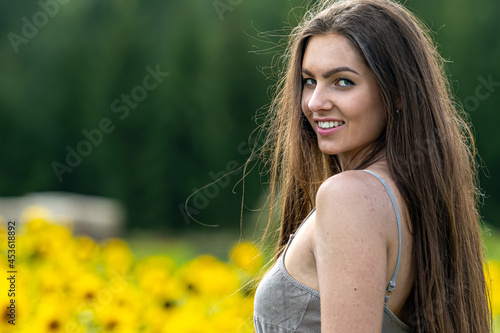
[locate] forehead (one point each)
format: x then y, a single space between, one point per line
324 52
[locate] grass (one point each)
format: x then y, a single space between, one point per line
492 242
182 249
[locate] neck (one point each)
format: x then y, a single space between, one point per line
354 160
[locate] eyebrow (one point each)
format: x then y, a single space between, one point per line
332 71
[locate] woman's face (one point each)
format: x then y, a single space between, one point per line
340 97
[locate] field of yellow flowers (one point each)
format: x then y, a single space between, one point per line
72 284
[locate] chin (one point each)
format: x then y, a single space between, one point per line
328 150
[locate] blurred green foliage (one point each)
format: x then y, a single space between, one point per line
194 126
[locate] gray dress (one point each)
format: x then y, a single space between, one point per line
284 305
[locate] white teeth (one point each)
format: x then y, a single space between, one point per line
329 124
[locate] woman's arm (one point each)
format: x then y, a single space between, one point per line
350 248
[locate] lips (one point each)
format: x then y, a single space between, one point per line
328 126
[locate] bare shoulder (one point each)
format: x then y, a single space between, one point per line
353 197
347 182
350 250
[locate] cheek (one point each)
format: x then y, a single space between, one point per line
366 107
377 121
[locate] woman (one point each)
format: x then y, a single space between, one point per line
373 161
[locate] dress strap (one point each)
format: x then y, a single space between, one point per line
392 283
296 231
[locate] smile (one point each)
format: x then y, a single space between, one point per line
330 124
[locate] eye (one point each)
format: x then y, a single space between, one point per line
308 82
344 83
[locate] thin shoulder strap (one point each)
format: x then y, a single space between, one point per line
292 235
303 221
392 283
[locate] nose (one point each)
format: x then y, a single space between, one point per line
320 100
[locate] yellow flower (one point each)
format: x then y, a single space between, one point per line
493 279
154 269
44 240
85 287
247 257
209 277
232 314
155 275
53 315
114 318
49 278
116 255
86 249
191 317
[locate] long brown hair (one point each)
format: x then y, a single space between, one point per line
429 150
